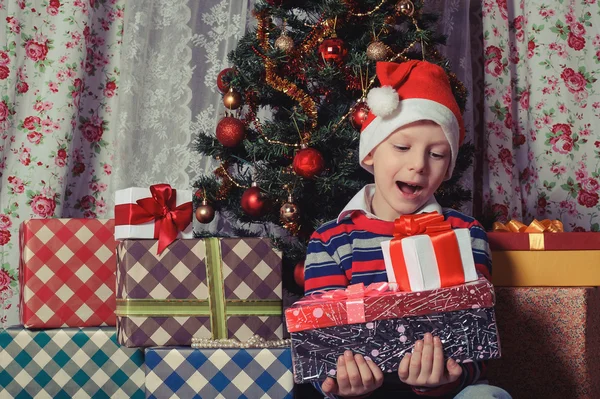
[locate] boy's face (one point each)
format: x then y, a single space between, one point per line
409 165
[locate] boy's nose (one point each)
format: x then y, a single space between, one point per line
418 163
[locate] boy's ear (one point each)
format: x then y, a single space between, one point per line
368 160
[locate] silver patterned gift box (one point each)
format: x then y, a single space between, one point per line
69 363
211 287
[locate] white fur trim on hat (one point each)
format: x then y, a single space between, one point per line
382 101
409 111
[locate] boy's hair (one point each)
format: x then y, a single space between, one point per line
410 92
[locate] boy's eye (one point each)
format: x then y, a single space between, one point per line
401 148
436 155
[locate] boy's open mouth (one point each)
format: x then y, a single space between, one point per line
408 188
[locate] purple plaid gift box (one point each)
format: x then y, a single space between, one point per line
206 288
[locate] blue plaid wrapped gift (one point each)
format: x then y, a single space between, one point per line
183 372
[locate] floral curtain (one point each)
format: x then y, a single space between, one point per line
542 61
59 78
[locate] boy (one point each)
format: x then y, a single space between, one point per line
409 142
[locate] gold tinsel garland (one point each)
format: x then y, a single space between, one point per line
307 104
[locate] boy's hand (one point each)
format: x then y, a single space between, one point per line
355 376
425 366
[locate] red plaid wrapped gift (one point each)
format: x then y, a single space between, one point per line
426 253
67 273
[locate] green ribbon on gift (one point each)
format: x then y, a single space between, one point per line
216 306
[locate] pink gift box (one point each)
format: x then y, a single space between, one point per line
378 302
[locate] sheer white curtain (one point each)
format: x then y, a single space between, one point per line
172 53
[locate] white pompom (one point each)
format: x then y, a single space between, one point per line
382 101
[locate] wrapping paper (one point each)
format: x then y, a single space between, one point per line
67 273
426 253
126 198
467 335
545 259
211 288
550 342
504 241
218 373
318 312
68 363
546 268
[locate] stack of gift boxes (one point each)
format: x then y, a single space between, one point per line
137 307
432 287
548 310
109 308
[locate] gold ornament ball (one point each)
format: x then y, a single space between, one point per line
205 213
284 43
289 212
232 99
377 51
405 7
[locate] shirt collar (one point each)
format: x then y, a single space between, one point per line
362 202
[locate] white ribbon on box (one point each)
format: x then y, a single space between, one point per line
421 263
146 230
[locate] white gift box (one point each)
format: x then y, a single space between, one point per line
145 230
421 263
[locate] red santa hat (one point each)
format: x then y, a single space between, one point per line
410 92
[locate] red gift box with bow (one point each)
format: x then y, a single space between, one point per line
426 253
377 301
159 212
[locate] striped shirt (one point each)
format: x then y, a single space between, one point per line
347 251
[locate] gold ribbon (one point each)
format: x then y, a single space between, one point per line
216 306
536 230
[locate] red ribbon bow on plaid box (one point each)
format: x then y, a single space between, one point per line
161 208
450 268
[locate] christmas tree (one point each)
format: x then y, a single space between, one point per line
295 99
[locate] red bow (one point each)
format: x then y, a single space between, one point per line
445 245
168 218
422 223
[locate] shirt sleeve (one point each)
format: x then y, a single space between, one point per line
472 372
324 268
481 250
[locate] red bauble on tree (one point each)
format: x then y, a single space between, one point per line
222 85
333 49
308 162
254 202
299 274
275 3
359 115
230 131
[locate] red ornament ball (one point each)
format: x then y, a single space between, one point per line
308 162
230 131
254 201
275 3
359 115
299 274
333 49
221 85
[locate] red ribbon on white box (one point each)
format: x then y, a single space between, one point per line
354 296
426 253
161 210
